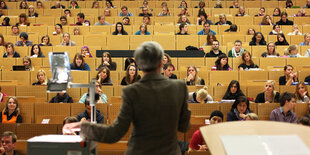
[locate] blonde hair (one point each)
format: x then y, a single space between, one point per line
273 92
45 77
203 94
290 49
252 116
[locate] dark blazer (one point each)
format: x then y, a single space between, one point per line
157 107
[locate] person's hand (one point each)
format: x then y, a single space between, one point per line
203 147
190 77
291 75
304 94
106 63
83 119
71 128
242 116
295 75
2 150
267 101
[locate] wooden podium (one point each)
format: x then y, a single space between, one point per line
212 133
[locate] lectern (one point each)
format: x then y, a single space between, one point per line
60 145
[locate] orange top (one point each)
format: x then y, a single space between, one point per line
5 119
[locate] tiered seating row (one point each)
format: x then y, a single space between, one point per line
251 20
37 94
168 42
157 4
36 112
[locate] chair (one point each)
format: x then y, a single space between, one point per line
26 131
275 62
203 109
78 39
84 30
80 76
182 41
297 39
298 62
95 40
232 38
37 91
70 49
52 12
303 74
45 20
6 64
253 91
91 12
108 90
9 90
27 112
185 62
264 110
42 30
166 41
191 131
55 112
113 110
225 109
244 76
301 109
275 75
118 90
116 42
91 63
23 77
100 29
137 40
222 77
240 21
290 89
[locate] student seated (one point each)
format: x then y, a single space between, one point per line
301 93
11 111
79 63
239 109
289 76
192 77
61 98
270 95
167 71
197 142
106 60
41 78
233 91
221 64
200 96
247 62
102 96
103 76
132 75
285 112
85 116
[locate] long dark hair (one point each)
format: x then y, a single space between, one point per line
107 79
128 61
80 56
218 62
284 42
40 52
122 30
254 38
229 95
135 78
239 100
109 55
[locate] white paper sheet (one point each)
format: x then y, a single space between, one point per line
264 145
56 139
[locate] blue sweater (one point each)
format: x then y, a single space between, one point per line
139 33
203 33
86 67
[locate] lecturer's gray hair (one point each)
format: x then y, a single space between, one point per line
148 56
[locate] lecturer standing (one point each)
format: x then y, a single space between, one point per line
155 105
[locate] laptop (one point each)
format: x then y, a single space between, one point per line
19 68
